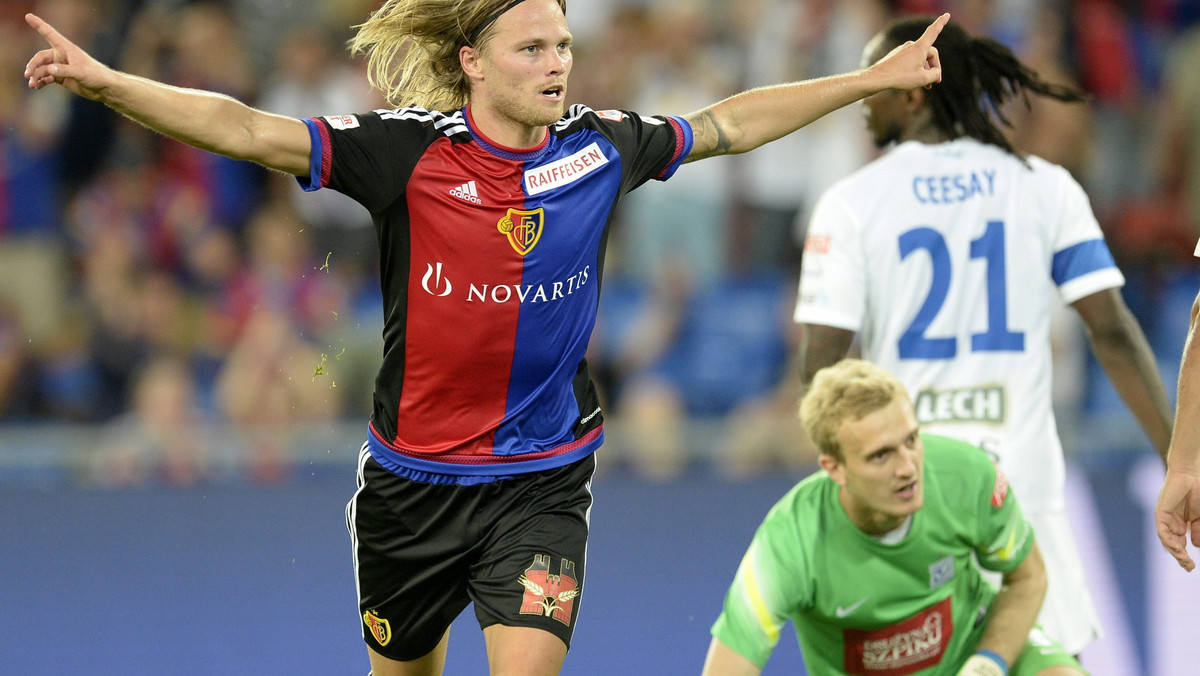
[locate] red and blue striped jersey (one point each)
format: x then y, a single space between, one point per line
490 261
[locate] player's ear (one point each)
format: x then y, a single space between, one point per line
469 60
913 99
833 468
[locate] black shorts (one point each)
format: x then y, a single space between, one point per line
422 552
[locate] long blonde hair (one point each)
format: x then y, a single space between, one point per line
412 49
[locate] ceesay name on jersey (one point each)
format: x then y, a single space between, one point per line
438 284
954 187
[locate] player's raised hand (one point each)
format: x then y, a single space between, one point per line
913 64
64 63
1177 514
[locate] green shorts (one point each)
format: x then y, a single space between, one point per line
1041 652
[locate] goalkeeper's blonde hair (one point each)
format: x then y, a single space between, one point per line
412 49
847 391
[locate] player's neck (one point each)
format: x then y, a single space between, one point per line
504 131
870 521
897 534
924 133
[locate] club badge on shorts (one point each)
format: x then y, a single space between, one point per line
380 629
547 594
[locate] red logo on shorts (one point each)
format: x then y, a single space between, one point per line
546 594
380 629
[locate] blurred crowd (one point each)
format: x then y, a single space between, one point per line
149 289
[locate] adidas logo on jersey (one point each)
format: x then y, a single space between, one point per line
467 192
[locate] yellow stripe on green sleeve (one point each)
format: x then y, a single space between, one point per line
757 602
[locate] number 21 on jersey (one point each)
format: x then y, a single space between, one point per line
915 343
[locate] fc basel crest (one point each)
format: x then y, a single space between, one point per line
523 228
380 629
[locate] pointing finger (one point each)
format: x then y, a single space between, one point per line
47 31
934 29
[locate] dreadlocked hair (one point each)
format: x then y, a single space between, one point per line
412 48
979 75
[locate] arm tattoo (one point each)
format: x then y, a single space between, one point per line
708 137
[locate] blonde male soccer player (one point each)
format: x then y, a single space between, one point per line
876 558
492 202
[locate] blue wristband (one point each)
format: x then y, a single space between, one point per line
995 658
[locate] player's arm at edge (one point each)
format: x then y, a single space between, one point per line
1124 353
1177 512
1015 609
206 120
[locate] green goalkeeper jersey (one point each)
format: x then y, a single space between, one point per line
860 606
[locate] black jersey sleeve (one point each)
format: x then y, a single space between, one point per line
368 156
651 147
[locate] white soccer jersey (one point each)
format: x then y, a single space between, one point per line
948 260
945 259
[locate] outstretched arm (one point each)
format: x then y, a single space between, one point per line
1125 354
209 121
1178 510
746 121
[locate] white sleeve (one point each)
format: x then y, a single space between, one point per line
1082 263
833 280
